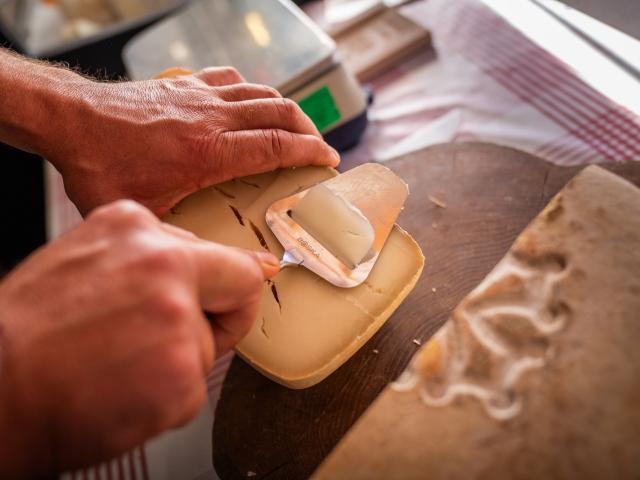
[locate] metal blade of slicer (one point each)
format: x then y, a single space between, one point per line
374 190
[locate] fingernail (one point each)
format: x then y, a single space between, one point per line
336 156
270 264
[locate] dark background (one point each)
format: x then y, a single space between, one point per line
22 211
21 201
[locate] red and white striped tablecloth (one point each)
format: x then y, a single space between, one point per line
487 81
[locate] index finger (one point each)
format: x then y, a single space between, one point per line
266 150
229 277
271 113
230 284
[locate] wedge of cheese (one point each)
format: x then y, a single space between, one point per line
537 372
306 327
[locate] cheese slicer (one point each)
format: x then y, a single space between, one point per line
338 227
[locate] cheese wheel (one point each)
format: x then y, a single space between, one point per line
306 327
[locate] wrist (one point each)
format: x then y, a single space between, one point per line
35 114
57 101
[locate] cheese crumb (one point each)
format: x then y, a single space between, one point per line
417 342
436 201
375 350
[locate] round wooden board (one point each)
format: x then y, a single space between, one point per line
263 430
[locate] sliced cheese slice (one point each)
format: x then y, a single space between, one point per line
306 327
339 226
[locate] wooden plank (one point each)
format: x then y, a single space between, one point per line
377 43
490 193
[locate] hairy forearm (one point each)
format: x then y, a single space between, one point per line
153 141
36 103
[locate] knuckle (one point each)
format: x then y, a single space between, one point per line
223 73
178 83
123 211
204 146
275 145
232 71
287 107
271 92
318 146
170 259
220 148
276 142
175 307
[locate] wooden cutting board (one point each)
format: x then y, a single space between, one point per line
263 430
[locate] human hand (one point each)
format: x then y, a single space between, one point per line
157 141
103 339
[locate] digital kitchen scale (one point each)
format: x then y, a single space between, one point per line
270 42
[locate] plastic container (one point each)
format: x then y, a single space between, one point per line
85 33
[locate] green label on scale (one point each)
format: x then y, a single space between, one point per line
321 108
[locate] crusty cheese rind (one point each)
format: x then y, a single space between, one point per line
306 328
537 372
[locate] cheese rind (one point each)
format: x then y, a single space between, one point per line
537 372
306 327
